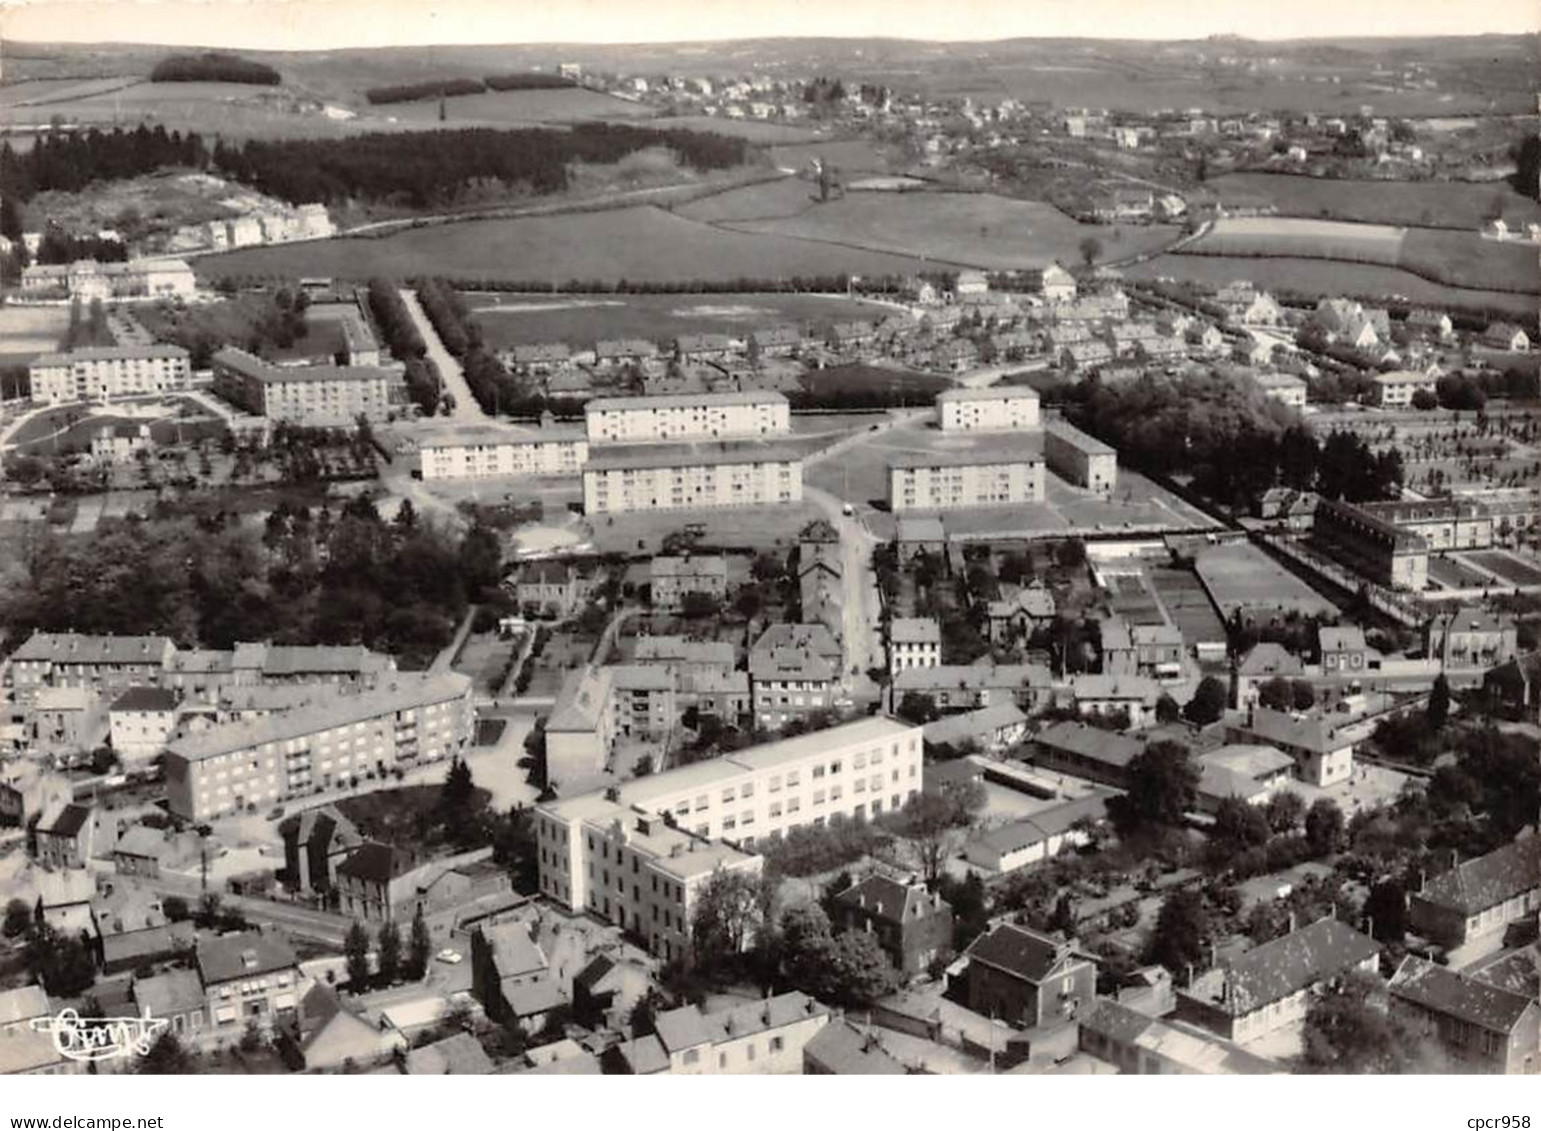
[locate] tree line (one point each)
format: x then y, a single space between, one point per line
451 88
430 168
400 333
495 389
213 66
68 162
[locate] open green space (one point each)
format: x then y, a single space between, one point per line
619 244
1507 566
967 229
767 200
516 108
512 319
1240 576
1428 204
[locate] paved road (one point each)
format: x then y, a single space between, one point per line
466 408
863 649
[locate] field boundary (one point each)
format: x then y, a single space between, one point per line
1496 287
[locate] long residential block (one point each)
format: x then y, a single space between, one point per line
104 374
648 477
686 416
331 744
477 451
1080 459
637 854
325 396
944 480
998 408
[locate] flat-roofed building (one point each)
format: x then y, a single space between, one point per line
476 451
109 372
1372 545
985 477
309 395
645 477
331 743
997 408
636 855
1080 459
687 416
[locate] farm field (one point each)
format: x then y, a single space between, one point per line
1440 204
507 320
969 229
1322 277
26 331
1240 576
513 108
1459 258
764 201
630 243
1506 565
40 91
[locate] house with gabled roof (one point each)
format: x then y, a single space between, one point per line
315 842
1322 748
912 925
1027 978
841 1048
248 977
1482 1027
1478 899
1270 986
759 1037
1139 1045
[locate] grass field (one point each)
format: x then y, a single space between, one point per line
1439 204
848 378
1240 576
750 129
26 331
631 243
508 320
1326 277
1507 566
1458 258
512 108
970 229
767 200
848 156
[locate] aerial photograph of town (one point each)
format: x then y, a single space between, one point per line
865 550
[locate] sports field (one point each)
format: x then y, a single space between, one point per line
1189 605
26 331
1240 576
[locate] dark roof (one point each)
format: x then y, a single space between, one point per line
375 863
1020 951
1489 880
246 955
591 974
1434 988
1277 969
888 899
1090 742
146 699
844 1050
69 822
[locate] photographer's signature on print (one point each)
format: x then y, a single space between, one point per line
100 1038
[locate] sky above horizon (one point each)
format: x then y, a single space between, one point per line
279 25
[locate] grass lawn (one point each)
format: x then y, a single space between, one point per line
1410 203
849 156
1507 566
1465 259
1322 277
515 108
1450 573
969 229
746 527
1183 595
752 130
1240 576
629 243
26 331
398 816
489 732
767 200
509 319
917 388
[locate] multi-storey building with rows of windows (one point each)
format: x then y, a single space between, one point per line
995 408
1080 459
106 373
473 451
686 416
326 744
637 854
644 477
314 396
978 477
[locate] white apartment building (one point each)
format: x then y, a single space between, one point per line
1002 408
913 642
686 416
637 854
1080 459
649 477
476 451
1285 388
106 373
329 744
1396 389
331 396
945 480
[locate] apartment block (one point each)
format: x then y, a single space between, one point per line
317 396
1374 546
794 669
1000 408
476 451
1445 524
1080 459
636 854
942 480
686 416
107 373
630 478
332 743
95 663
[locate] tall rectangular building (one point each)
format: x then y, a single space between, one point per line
647 477
330 744
998 408
686 416
1080 459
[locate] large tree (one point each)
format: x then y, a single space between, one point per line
1181 935
355 947
1324 826
419 948
1351 1030
61 961
167 1057
732 910
1208 702
389 942
1162 784
932 820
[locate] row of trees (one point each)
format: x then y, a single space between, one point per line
213 66
451 88
430 169
400 333
494 388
